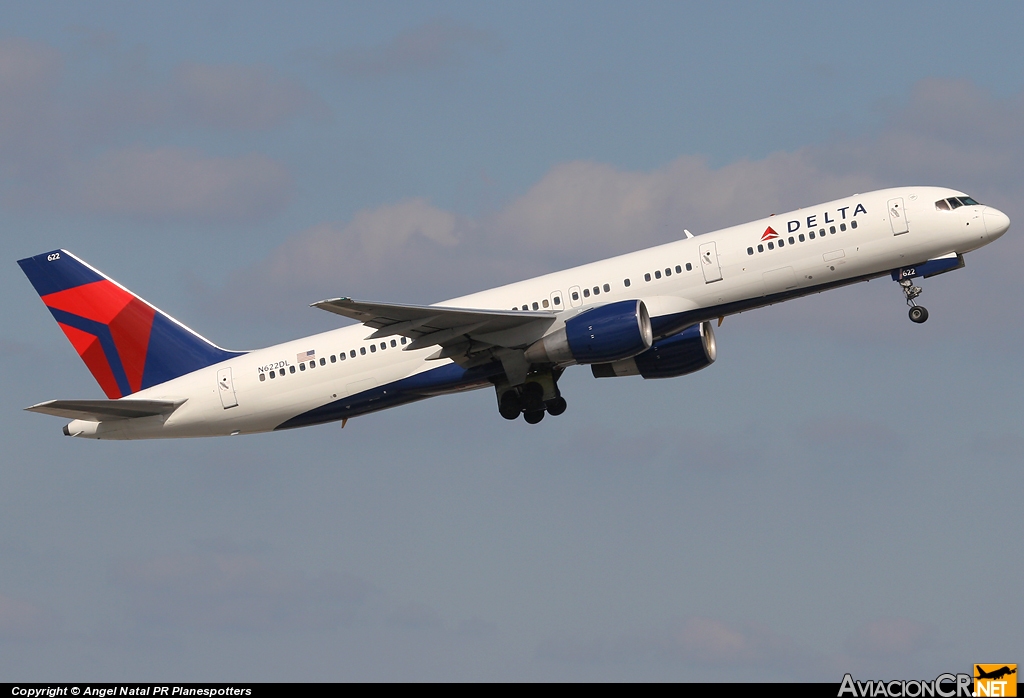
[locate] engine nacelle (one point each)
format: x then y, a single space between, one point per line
606 333
691 350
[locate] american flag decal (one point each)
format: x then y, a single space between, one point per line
305 356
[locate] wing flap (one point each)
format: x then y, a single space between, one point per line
99 410
427 325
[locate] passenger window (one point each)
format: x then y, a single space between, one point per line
811 234
544 303
760 248
525 307
324 361
801 238
302 366
597 291
657 275
271 374
352 353
575 296
750 250
373 348
647 277
842 227
771 245
679 269
668 272
853 224
821 233
362 351
790 240
403 340
334 359
607 288
263 376
291 369
558 300
535 306
383 345
942 205
341 356
394 343
625 282
782 243
586 293
832 229
689 266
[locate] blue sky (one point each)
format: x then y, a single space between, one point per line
830 496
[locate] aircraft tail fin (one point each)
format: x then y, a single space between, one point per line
126 343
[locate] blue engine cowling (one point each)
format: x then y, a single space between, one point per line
606 333
691 350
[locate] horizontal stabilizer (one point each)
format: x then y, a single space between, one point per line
99 410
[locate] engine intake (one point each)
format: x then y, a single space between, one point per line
606 333
691 350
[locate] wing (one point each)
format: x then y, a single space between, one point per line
98 410
459 331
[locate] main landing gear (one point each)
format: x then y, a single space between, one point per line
537 396
918 313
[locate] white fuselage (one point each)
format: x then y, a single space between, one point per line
717 276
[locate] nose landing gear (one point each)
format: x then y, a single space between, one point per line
918 313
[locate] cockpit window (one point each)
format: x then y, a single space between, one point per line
955 202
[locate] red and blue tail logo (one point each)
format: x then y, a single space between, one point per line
125 342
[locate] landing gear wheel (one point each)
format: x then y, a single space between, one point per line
918 314
511 405
533 416
533 397
556 406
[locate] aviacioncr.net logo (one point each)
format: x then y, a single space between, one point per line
943 686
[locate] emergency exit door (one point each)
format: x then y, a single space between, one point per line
709 263
897 217
226 388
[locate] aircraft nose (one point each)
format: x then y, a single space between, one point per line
996 222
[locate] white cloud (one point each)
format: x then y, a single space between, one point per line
890 638
228 97
233 591
696 642
431 45
165 184
21 620
949 133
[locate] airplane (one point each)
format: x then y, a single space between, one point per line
647 313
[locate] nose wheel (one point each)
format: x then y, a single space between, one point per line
917 312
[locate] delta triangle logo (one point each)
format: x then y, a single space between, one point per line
769 234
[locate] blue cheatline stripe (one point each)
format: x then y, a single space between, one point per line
436 381
106 341
50 274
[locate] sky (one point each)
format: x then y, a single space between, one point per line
838 493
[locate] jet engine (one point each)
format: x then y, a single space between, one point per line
606 333
691 350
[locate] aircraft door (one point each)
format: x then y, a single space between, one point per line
575 299
709 263
897 216
557 301
226 388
